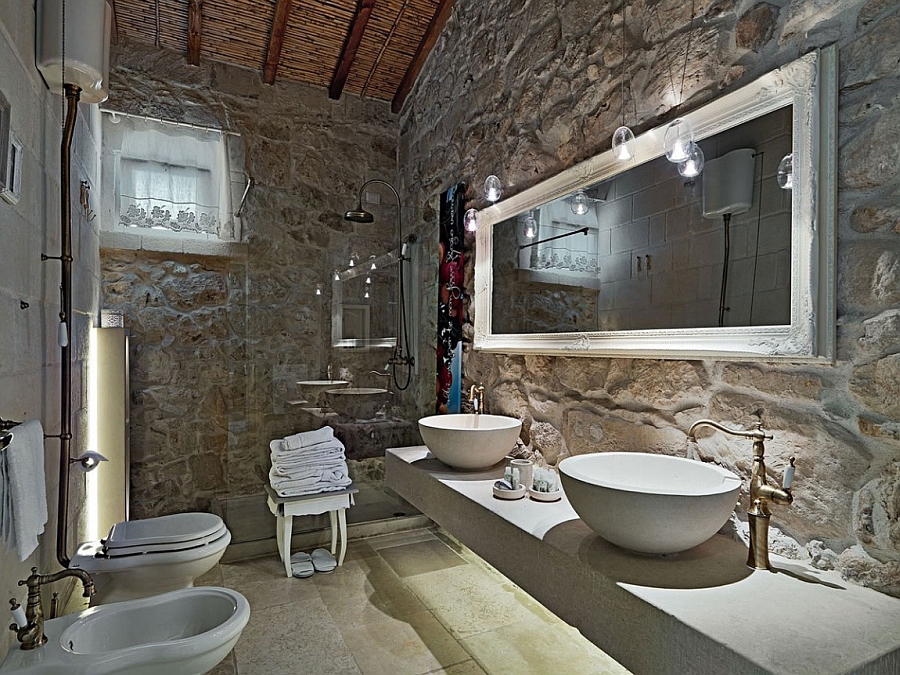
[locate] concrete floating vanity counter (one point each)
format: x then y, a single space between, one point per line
702 611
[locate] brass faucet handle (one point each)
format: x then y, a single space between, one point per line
18 615
788 479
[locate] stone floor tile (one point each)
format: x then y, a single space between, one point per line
364 592
420 557
225 667
359 548
469 600
299 637
263 582
252 570
534 647
212 578
399 538
464 668
412 646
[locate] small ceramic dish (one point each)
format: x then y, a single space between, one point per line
509 494
554 496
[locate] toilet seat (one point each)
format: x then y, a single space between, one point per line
121 551
155 536
163 530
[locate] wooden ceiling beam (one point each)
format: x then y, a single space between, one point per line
114 27
441 14
276 40
195 31
351 45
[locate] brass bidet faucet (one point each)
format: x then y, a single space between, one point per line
476 396
31 635
761 493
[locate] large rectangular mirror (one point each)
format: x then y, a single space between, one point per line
630 258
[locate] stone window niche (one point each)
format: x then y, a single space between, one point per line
170 187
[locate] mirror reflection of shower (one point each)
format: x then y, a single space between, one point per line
401 361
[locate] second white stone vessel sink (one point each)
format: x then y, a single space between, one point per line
649 503
185 632
467 441
314 390
358 402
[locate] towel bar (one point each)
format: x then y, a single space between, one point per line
5 436
6 425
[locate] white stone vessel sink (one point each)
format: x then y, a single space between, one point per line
649 503
467 441
314 390
358 402
185 632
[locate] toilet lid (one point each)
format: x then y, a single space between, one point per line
124 551
164 530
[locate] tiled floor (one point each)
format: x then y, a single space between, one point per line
402 604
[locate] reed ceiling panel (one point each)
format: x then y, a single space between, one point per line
238 32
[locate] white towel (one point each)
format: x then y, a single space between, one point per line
306 438
27 493
6 531
323 481
278 449
323 453
298 472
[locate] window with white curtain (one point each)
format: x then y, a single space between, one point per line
167 180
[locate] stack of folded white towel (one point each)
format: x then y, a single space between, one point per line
307 463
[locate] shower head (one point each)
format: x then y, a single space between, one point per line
359 215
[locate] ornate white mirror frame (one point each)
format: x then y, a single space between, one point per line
809 85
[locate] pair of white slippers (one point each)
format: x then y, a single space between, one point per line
304 565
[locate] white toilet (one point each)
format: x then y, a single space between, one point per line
146 557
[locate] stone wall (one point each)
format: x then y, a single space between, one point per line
527 89
30 361
220 342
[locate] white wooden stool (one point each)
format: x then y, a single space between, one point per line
285 508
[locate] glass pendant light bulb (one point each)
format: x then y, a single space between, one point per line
318 289
366 294
353 259
530 226
785 172
580 203
368 279
492 188
336 275
623 144
693 164
372 266
471 220
678 140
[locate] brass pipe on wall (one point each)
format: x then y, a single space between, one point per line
72 94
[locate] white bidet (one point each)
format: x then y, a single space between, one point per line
184 632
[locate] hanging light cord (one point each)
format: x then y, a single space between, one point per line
687 52
666 51
624 4
761 154
664 48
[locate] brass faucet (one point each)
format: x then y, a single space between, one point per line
761 493
476 396
387 375
31 635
